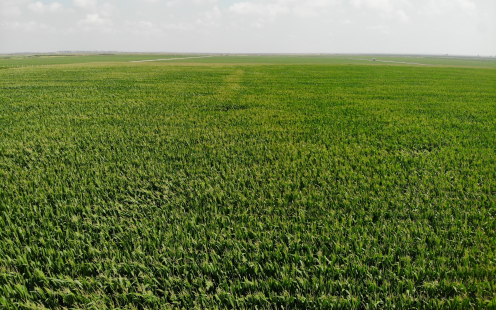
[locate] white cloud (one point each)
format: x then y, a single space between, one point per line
401 15
96 22
93 20
284 7
178 26
250 8
380 29
442 7
173 3
11 8
386 8
99 18
176 3
313 7
30 26
107 9
85 4
202 2
142 28
467 5
407 26
11 11
382 5
209 18
41 8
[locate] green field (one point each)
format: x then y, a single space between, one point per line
231 186
61 59
58 59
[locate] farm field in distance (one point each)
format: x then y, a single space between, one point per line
237 182
63 58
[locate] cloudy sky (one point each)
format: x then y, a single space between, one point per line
464 27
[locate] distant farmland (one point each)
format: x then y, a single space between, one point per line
59 59
247 182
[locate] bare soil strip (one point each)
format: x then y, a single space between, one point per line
170 59
398 62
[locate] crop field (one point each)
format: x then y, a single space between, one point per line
60 59
195 184
431 60
15 61
352 59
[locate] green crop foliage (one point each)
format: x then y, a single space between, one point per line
60 59
221 186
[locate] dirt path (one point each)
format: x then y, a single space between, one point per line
397 62
170 59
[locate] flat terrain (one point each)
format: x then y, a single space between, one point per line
196 184
57 59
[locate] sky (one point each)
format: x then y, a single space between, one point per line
455 27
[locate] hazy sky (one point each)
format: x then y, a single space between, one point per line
279 26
